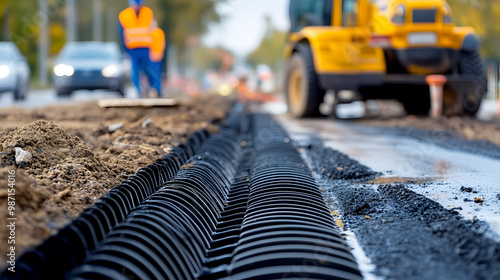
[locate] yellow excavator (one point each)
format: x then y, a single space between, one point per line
380 49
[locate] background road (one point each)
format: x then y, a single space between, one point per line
47 97
41 98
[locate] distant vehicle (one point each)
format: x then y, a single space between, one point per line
265 78
89 66
14 71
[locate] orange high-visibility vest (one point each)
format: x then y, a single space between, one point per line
157 49
136 28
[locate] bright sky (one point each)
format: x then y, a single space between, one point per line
243 25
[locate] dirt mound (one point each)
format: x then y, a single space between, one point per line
46 142
59 160
142 141
32 223
76 157
62 179
50 146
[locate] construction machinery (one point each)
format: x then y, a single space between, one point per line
382 49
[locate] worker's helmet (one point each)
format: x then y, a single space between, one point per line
136 2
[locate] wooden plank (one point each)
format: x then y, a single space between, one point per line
142 102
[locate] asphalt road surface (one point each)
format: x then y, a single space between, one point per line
406 204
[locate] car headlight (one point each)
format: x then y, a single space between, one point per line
64 70
110 71
399 16
4 71
70 70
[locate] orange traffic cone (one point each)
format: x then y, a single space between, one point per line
436 83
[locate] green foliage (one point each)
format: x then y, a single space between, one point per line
270 51
183 19
22 30
20 22
206 58
483 16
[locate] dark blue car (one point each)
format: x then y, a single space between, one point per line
89 66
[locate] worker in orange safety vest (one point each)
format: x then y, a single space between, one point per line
135 34
156 54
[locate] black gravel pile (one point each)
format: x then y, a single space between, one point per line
465 236
335 165
406 235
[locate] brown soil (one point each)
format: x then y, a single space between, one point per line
76 159
467 128
31 211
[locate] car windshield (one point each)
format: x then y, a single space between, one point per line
6 53
90 53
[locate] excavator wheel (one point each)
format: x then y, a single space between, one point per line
465 101
303 93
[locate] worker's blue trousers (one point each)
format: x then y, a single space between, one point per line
141 63
156 71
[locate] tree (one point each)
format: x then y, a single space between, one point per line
271 49
482 15
20 24
182 19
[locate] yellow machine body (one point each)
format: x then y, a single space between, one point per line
356 48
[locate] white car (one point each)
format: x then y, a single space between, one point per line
14 71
